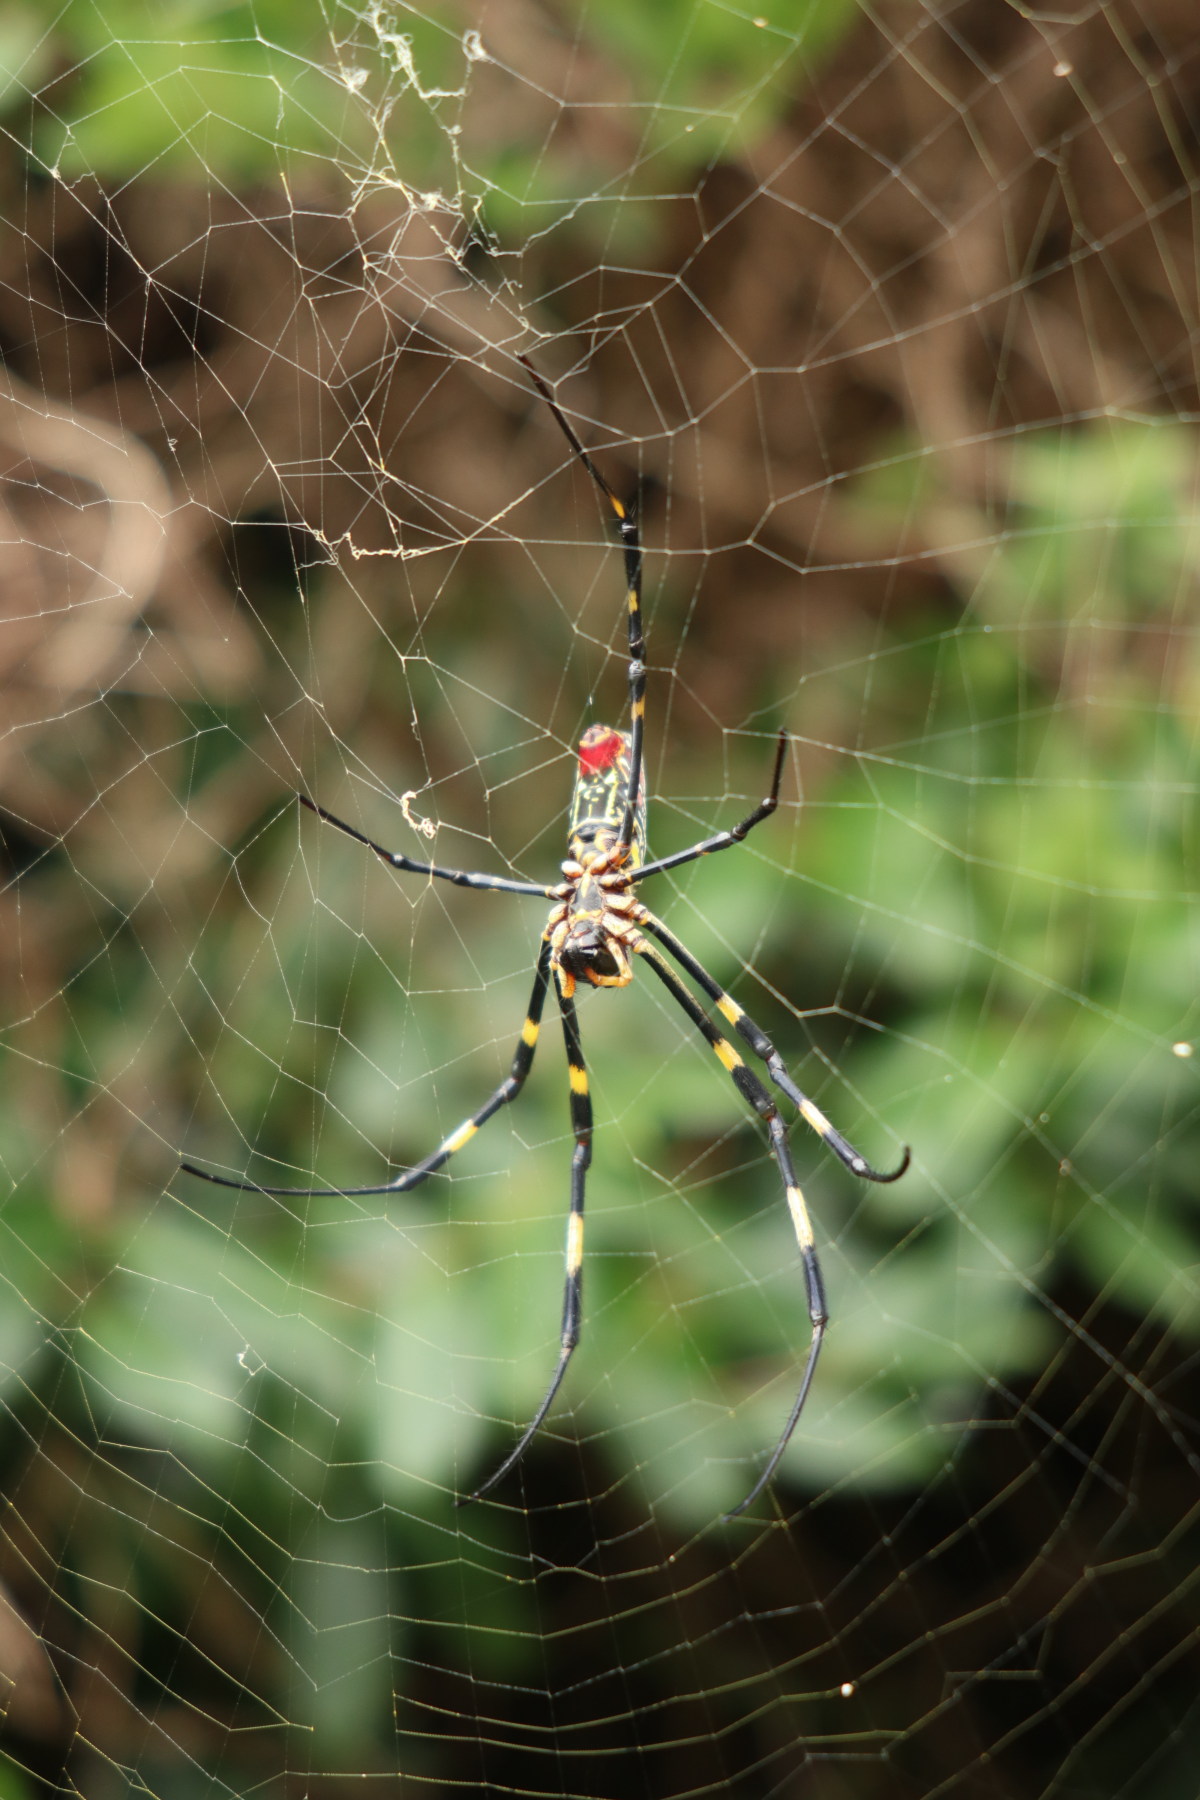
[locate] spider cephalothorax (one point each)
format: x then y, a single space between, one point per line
597 926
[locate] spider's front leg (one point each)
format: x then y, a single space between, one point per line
625 515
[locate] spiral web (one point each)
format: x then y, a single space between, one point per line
888 315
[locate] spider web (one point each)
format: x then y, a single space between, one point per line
888 314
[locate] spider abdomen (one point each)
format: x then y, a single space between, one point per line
601 793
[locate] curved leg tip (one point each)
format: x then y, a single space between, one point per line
863 1168
898 1171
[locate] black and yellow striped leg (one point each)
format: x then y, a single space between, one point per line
637 665
572 1314
627 523
753 1091
762 1047
722 840
507 1091
626 518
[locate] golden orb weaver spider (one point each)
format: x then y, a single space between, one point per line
596 926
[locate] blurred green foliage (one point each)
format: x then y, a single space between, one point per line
226 90
242 91
977 936
994 886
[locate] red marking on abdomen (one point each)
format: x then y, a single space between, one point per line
599 748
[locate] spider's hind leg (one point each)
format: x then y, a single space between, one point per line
757 1096
763 1048
572 1314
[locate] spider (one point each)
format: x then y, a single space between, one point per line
596 929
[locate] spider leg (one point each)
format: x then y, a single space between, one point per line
572 1316
626 518
637 664
723 839
762 1047
507 1091
753 1091
460 877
